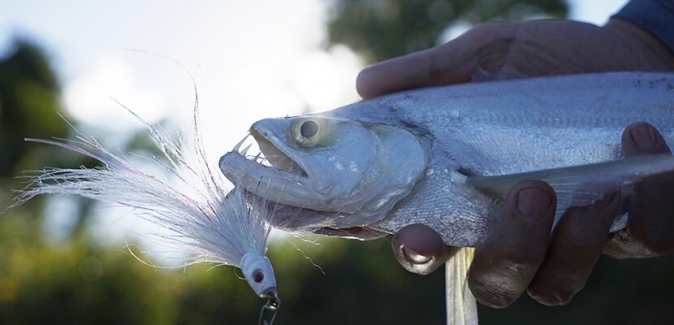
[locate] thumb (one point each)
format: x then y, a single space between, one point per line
419 249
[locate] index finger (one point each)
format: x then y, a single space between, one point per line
453 62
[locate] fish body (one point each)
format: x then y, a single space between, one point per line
429 155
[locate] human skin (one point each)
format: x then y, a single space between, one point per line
522 254
523 49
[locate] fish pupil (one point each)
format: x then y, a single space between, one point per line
309 129
258 276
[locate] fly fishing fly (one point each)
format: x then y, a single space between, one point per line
205 220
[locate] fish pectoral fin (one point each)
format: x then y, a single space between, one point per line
461 305
578 185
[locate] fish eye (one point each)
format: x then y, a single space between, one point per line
258 276
308 131
309 128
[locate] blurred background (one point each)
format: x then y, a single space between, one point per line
62 259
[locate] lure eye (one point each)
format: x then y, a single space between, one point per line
258 276
309 131
258 273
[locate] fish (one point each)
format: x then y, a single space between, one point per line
446 157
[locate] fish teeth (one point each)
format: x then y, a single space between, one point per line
245 150
238 145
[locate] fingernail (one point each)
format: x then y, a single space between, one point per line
414 257
533 203
605 201
644 137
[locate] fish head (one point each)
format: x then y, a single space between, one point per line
329 171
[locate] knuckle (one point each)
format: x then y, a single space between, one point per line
499 284
582 241
520 256
495 294
584 229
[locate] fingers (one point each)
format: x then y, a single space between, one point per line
406 72
578 241
453 62
519 256
419 249
507 261
651 219
641 138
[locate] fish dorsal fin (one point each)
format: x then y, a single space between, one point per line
461 305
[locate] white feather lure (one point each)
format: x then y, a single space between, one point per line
204 219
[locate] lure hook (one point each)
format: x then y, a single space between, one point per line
270 308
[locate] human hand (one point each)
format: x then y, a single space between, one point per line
523 255
523 49
650 226
551 270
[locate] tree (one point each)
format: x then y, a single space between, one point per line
379 30
29 104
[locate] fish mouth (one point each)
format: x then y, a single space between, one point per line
271 174
275 177
271 154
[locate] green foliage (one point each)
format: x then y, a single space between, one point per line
379 30
29 106
362 284
76 284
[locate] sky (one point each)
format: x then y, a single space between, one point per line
248 59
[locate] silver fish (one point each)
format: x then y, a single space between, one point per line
446 156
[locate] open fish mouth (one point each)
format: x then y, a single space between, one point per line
270 174
274 176
271 154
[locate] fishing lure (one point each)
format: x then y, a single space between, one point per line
205 220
